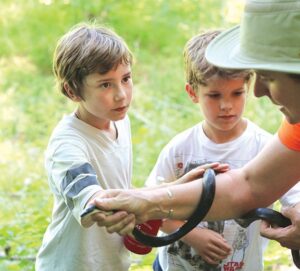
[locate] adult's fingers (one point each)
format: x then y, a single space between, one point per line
267 231
108 204
287 237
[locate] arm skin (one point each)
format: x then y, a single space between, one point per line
259 183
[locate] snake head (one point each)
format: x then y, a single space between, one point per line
270 215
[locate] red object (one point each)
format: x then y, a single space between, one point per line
150 227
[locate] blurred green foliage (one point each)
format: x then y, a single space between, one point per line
30 105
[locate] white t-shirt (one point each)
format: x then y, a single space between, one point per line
190 149
80 161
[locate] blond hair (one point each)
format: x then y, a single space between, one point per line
86 49
197 69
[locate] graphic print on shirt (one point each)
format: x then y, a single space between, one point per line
235 235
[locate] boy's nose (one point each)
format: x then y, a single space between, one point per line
225 105
120 94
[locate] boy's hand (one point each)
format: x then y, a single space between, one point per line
198 172
210 245
119 222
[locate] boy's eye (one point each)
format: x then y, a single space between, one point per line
126 79
214 95
105 85
239 93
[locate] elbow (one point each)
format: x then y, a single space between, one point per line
253 195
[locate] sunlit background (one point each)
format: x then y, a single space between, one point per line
30 105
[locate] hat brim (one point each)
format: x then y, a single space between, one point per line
224 51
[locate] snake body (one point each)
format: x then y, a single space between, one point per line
201 210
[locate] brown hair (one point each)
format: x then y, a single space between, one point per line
197 69
85 49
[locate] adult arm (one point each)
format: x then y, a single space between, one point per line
263 180
259 183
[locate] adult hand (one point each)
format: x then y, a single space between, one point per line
134 204
210 245
120 219
289 236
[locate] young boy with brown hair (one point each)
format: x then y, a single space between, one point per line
89 150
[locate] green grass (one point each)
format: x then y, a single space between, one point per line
30 106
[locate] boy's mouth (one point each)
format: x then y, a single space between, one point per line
120 109
227 117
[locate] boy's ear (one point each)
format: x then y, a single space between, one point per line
192 93
71 93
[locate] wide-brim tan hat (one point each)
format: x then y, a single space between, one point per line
267 39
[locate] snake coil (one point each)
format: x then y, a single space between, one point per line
202 209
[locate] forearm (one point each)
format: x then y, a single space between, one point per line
181 199
186 196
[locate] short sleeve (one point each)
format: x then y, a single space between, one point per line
289 135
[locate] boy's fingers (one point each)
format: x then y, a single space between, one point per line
210 165
107 221
123 227
211 260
